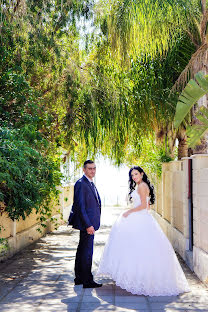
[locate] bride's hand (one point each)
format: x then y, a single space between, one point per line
125 214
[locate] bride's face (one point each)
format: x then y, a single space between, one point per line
136 176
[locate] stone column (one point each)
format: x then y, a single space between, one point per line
187 222
167 192
185 199
200 215
13 228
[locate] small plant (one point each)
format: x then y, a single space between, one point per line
4 246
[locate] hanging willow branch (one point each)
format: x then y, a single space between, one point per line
138 27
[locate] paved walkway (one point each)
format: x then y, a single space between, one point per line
40 278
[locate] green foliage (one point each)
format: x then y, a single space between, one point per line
39 57
193 91
196 131
55 96
150 27
159 39
27 178
149 156
190 95
4 246
130 105
40 49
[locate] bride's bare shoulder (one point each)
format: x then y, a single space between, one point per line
143 188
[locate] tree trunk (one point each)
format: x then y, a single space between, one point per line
203 147
182 144
182 148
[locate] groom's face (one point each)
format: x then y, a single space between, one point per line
90 170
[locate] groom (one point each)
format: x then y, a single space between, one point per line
85 216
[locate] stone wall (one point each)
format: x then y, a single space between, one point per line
172 210
200 215
18 234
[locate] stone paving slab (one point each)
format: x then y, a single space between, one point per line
40 278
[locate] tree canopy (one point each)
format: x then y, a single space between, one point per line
89 77
39 86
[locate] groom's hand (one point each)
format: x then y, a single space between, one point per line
90 230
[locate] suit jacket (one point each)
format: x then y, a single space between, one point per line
86 207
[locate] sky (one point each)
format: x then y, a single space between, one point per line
111 182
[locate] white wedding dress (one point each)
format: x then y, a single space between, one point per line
139 257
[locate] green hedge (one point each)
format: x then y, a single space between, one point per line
28 179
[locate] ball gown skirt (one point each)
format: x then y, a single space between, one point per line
139 257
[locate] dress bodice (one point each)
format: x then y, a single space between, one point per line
137 200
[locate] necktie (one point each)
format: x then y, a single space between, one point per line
95 190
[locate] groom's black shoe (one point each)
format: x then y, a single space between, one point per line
92 285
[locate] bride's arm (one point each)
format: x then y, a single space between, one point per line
142 190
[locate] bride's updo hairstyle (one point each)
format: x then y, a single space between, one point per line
132 184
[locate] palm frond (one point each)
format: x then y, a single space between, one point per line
190 95
197 63
197 131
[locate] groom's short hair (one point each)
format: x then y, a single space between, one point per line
88 162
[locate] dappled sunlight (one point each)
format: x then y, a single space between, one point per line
47 280
124 83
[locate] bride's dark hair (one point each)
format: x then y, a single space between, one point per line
132 184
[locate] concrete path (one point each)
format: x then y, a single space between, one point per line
40 278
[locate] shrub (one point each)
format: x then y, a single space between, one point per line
28 179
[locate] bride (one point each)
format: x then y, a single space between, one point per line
138 256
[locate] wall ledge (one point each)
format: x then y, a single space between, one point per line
21 240
199 155
200 263
26 237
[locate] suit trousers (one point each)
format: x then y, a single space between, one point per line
83 261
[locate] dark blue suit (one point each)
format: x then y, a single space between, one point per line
85 212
